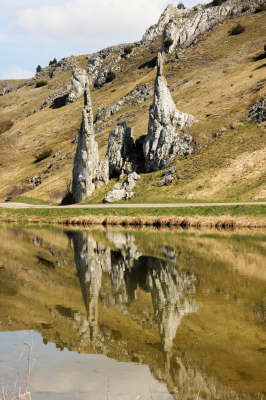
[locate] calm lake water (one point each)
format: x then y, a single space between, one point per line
108 315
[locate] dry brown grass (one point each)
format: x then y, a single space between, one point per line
224 222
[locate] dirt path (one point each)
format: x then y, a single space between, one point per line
170 205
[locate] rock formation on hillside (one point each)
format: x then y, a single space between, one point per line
257 112
68 94
88 171
78 84
167 130
121 151
122 191
181 27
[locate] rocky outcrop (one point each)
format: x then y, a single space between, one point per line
136 96
181 27
167 130
78 84
103 62
69 94
88 172
170 12
168 177
121 151
257 112
122 191
65 64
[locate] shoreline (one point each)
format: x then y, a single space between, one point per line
217 217
219 223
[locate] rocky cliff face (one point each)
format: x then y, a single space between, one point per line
167 130
181 27
88 172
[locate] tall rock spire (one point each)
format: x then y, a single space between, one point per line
166 136
86 162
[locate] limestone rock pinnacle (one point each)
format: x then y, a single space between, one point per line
86 162
167 136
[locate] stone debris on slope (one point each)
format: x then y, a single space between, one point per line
122 191
88 172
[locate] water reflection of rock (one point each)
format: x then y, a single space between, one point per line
91 260
171 290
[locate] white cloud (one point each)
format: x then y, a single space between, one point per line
93 21
16 72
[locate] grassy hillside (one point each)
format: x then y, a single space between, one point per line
216 81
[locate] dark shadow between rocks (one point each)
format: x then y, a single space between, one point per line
59 102
149 64
67 199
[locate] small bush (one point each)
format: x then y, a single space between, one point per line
111 75
5 126
218 2
260 8
168 43
42 156
245 9
41 84
236 30
38 69
53 62
128 50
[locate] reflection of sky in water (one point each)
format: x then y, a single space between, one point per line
68 375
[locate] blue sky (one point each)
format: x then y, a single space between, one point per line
33 32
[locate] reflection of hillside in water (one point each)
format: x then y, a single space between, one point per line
171 291
140 293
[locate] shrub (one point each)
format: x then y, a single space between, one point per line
5 126
110 76
218 2
38 69
168 43
42 156
128 50
236 30
260 8
53 62
41 84
245 9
